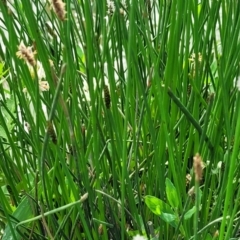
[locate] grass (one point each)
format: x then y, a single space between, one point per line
102 117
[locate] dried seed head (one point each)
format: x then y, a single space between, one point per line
188 179
198 167
51 132
84 197
26 53
192 61
27 127
121 11
110 7
83 129
216 234
100 229
107 97
43 86
59 9
191 192
149 83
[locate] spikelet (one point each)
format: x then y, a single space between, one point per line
83 128
107 97
188 179
100 229
216 234
191 193
59 9
51 132
198 167
26 53
43 86
110 7
121 11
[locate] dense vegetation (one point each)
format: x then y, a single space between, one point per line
119 119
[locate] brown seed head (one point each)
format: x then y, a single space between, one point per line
59 9
43 86
83 129
188 179
26 53
121 11
51 132
216 234
100 229
197 167
191 192
107 97
110 7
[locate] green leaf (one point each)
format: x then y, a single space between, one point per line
171 193
11 104
22 212
161 209
3 132
157 206
8 119
169 218
189 213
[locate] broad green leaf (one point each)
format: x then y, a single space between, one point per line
22 212
189 213
169 218
11 104
3 132
157 206
161 209
171 193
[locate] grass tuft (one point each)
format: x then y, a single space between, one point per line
119 119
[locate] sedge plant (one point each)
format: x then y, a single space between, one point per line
119 119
